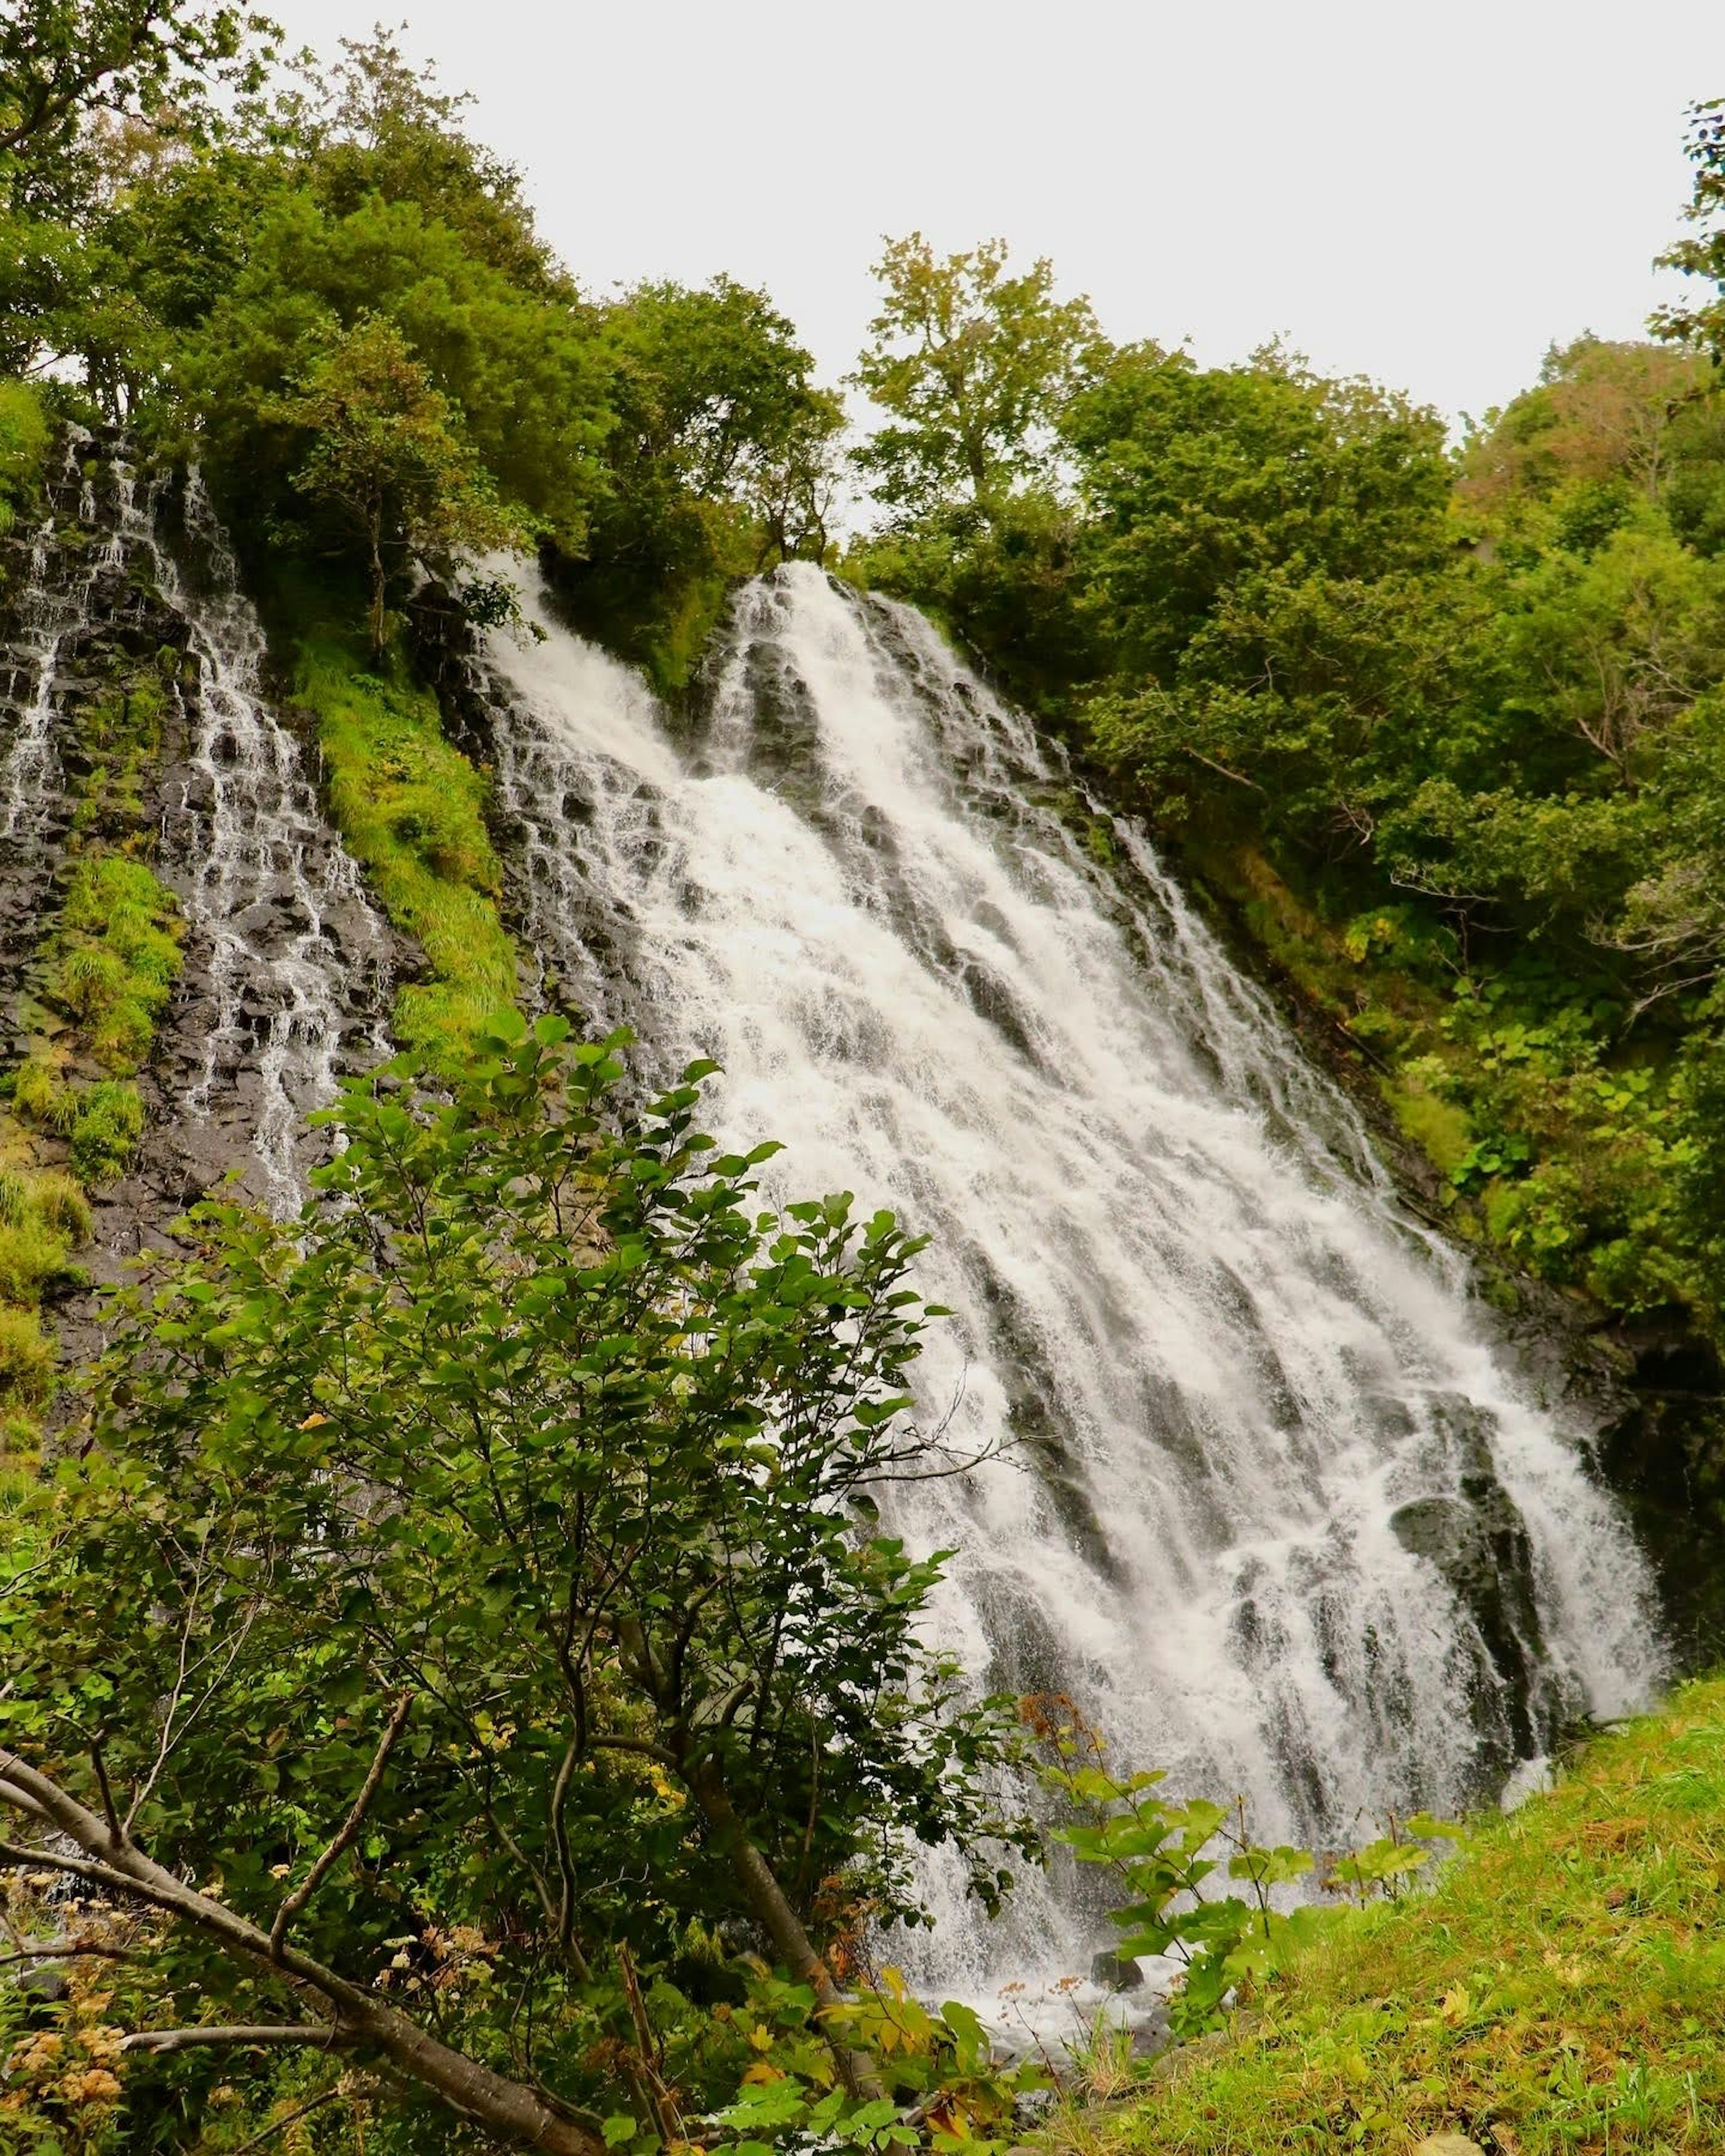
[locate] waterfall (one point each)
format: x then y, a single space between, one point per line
298 960
53 605
1272 1506
287 962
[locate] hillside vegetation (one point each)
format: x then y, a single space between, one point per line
1559 1989
455 1689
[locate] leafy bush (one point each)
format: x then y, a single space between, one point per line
1162 1854
60 1203
24 436
626 1607
31 1255
107 1122
121 927
27 1361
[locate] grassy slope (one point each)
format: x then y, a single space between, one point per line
1562 1988
411 808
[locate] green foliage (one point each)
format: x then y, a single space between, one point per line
106 1123
1558 1988
1265 547
27 1361
23 448
722 460
1162 1856
120 956
386 458
547 1429
974 366
412 811
36 1092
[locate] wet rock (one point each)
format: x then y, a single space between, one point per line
1114 1972
1478 1543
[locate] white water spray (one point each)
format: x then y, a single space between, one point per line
290 961
1184 1290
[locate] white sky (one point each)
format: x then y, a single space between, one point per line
1427 193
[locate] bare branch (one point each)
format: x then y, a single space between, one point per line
68 1950
602 1743
294 1902
116 1833
328 2034
566 1864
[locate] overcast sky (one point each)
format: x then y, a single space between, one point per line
1427 193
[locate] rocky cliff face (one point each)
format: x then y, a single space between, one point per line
134 723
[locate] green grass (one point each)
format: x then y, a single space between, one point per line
1562 1988
118 955
24 434
122 731
411 808
26 1363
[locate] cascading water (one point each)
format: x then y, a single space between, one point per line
298 960
1275 1516
288 962
54 603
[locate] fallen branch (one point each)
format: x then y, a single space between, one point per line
513 2113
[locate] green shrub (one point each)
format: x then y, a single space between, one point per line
31 1254
118 974
36 1091
27 1361
20 1457
23 448
14 1195
89 981
60 1202
108 1123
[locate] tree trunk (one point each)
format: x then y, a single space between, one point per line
774 1914
379 585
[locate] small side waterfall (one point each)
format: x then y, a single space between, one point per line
54 603
288 963
1272 1508
298 960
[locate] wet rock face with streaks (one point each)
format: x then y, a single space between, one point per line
74 622
287 966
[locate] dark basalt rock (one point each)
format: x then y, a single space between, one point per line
1480 1545
1114 1972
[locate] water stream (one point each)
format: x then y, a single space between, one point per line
287 962
1272 1508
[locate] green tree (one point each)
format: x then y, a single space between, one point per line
515 1509
1263 547
1700 252
62 61
386 456
974 366
722 459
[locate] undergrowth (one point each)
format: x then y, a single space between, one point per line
411 808
1560 1128
23 445
1562 1988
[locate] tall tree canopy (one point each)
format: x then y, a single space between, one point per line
974 366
